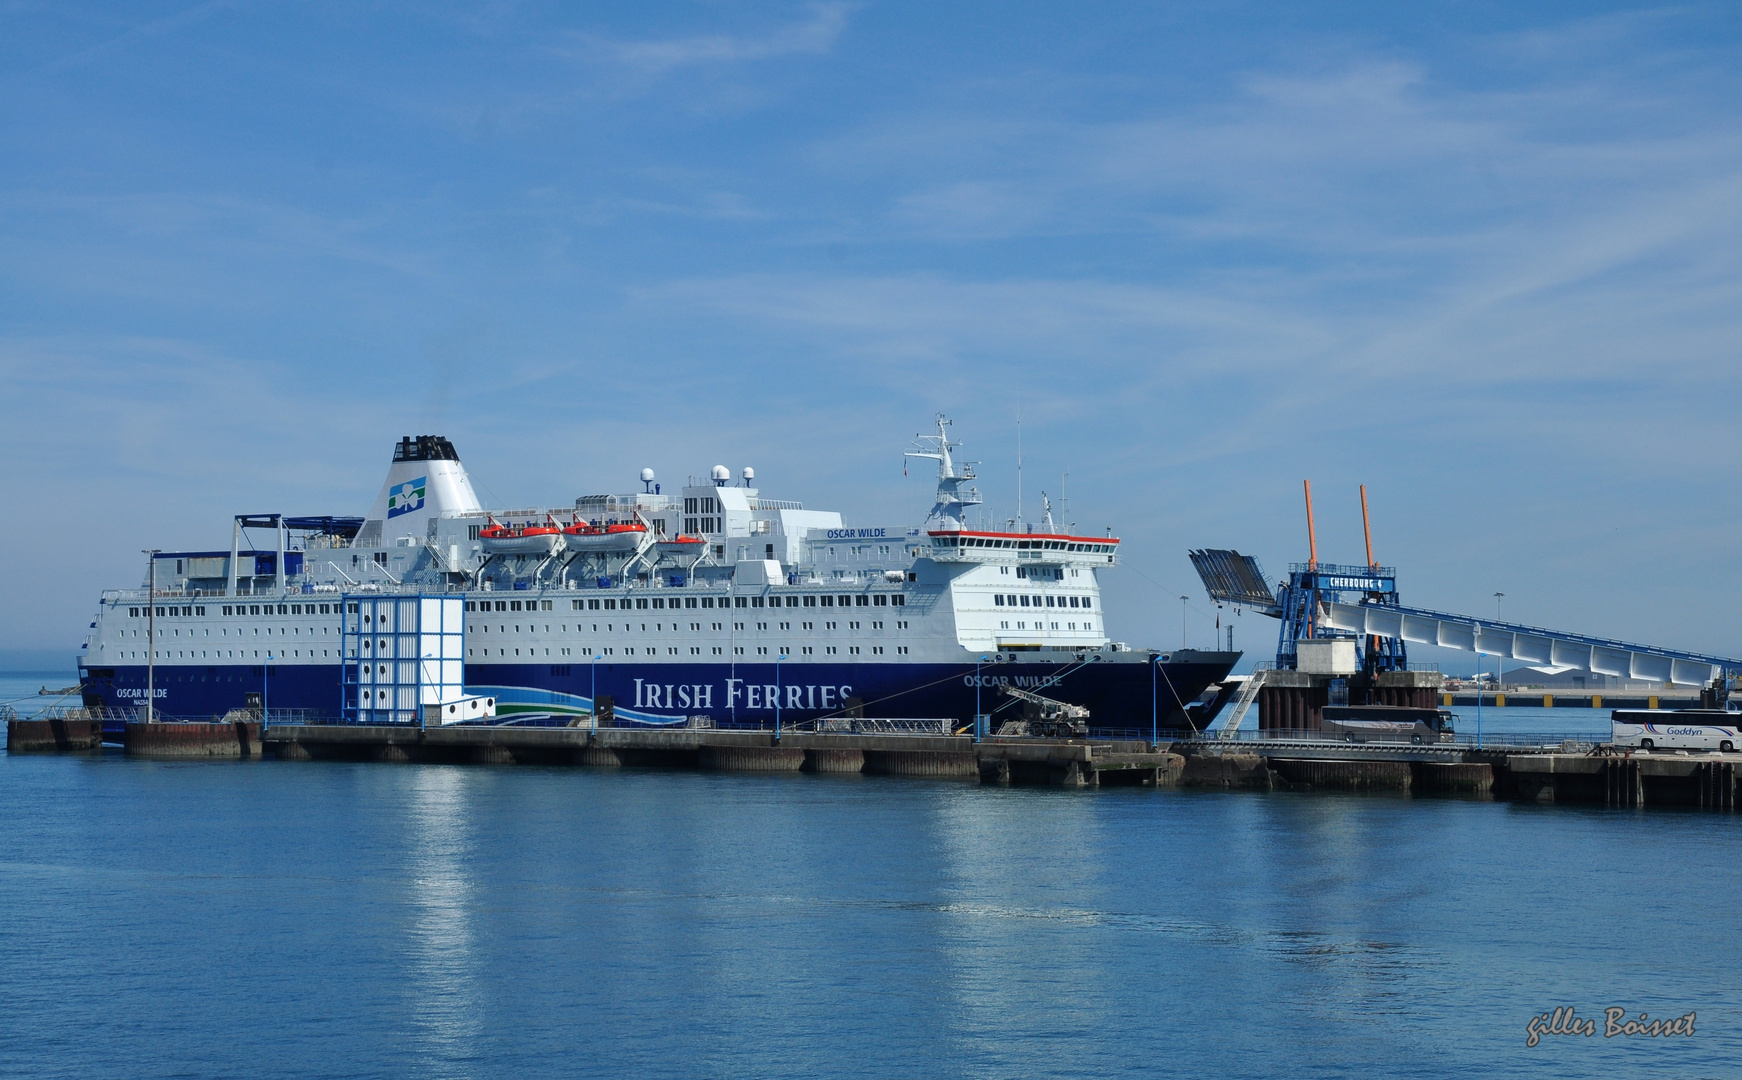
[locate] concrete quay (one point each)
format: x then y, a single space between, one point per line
1604 776
1601 777
1023 761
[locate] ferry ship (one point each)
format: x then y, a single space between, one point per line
713 606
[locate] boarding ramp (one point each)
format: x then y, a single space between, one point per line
1531 644
1232 578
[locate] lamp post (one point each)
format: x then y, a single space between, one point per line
1183 602
265 689
979 716
1154 710
595 673
778 693
151 632
1478 701
1500 662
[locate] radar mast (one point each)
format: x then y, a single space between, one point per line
952 496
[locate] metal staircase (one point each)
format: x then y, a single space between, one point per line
1248 694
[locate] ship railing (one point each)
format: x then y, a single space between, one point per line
865 725
1140 734
111 713
1570 741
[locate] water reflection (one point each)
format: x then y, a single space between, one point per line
444 969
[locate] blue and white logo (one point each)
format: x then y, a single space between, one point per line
406 497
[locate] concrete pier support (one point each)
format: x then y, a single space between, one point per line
1345 775
752 758
178 740
1621 784
933 763
50 736
1454 777
392 753
1717 785
834 761
291 751
1226 771
491 755
1073 774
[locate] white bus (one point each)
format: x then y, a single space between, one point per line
1675 729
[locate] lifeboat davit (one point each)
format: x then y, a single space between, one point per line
498 539
683 545
585 536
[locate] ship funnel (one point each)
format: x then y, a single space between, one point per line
426 481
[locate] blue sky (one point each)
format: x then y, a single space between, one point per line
1482 258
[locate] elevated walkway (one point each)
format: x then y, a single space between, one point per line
1530 644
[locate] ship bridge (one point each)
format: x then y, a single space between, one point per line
1008 547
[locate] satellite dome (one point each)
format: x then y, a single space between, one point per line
646 476
720 474
749 474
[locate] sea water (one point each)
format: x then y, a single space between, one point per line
314 919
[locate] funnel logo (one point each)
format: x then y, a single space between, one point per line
406 497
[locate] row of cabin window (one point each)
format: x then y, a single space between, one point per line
165 612
1024 545
677 602
509 605
281 609
1011 600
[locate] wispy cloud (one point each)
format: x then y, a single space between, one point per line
814 36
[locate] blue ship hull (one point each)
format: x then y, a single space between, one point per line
1117 694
